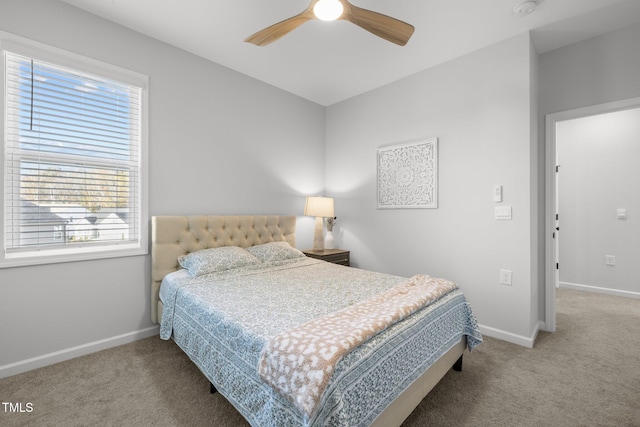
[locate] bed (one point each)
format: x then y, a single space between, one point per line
225 318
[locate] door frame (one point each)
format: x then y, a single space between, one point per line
550 192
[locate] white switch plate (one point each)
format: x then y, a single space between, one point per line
503 212
622 213
497 193
505 277
610 260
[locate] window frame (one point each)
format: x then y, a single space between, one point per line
81 64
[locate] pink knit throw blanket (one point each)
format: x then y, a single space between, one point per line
299 362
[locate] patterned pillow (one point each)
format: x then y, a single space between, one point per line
216 259
275 251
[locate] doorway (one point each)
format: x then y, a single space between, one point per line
552 234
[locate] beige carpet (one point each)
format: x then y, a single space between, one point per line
585 374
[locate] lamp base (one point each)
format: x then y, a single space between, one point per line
318 235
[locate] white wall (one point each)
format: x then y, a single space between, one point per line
599 173
595 71
219 143
480 108
536 198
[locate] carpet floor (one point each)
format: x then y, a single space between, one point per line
587 373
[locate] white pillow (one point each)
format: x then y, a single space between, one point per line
275 251
216 259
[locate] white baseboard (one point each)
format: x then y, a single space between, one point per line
73 352
608 291
511 337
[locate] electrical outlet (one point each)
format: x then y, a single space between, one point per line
505 277
610 260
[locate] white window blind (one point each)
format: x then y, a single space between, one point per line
72 157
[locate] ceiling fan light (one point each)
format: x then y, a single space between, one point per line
328 10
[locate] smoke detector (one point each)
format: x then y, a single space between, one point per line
524 9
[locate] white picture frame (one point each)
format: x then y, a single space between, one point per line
408 175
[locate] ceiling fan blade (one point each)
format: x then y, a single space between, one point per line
275 31
384 26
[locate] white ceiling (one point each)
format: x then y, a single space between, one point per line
327 62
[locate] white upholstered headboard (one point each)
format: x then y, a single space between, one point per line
173 236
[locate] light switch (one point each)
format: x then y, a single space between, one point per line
503 212
497 193
622 213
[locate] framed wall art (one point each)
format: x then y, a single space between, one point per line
408 175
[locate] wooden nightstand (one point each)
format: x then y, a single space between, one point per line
336 256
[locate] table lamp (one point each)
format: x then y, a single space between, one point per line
320 207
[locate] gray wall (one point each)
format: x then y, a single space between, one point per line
596 71
480 108
219 142
599 173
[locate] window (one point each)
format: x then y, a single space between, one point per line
74 158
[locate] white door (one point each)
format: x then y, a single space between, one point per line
556 231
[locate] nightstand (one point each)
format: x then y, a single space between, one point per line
336 256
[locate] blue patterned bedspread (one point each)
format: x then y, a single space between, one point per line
223 320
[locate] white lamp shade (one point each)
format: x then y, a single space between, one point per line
319 206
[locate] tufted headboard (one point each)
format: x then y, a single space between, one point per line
172 236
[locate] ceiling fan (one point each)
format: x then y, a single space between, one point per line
384 26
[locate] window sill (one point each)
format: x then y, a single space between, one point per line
72 255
